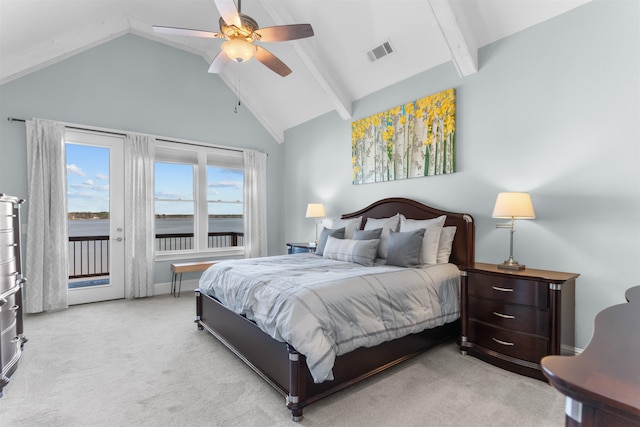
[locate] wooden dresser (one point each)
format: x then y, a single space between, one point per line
602 384
513 318
11 281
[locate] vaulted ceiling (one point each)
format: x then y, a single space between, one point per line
330 70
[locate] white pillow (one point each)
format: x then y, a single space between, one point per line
429 252
386 224
349 225
444 245
358 251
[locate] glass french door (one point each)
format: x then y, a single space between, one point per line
95 206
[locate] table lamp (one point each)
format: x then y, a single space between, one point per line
512 206
315 210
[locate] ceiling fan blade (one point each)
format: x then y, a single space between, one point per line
219 62
272 62
174 31
281 33
228 12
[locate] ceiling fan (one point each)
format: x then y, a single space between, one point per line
241 31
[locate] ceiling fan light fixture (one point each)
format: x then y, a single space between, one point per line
239 50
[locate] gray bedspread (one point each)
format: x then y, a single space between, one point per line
325 308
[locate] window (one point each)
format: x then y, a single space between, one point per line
174 206
198 200
225 206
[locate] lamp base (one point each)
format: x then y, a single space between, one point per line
510 264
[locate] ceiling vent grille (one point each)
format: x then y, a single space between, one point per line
380 51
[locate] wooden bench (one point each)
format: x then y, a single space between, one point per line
186 267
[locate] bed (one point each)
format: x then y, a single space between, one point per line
283 367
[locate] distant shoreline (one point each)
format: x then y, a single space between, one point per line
76 216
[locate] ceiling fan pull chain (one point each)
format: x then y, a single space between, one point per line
235 109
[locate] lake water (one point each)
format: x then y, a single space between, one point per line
100 227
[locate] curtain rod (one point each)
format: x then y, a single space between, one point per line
13 119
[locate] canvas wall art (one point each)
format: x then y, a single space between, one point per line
413 140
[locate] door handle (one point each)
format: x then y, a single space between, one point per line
118 239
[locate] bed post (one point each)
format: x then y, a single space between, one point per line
293 399
198 310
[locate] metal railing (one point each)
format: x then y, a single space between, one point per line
89 255
184 241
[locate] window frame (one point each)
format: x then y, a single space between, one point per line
200 157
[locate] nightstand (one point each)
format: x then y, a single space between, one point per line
295 248
512 319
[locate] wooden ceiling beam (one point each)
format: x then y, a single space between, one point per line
457 35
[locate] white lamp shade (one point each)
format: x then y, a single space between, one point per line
315 210
514 205
238 50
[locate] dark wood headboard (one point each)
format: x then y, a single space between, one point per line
462 253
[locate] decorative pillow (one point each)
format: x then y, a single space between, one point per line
429 253
444 245
358 251
367 234
404 248
386 224
324 234
349 225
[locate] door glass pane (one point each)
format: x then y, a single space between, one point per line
88 215
225 207
174 207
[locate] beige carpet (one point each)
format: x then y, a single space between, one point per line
144 363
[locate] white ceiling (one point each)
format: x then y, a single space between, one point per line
330 70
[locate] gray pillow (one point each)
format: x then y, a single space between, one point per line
358 251
404 248
338 233
367 234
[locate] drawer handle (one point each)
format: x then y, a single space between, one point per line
502 289
504 316
14 308
503 342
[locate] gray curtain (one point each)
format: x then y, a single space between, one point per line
255 203
47 238
139 152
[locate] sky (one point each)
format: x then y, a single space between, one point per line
88 184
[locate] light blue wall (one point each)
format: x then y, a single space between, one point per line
134 84
554 111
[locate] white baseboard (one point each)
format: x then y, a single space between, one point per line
567 349
165 288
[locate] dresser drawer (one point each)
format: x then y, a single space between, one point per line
509 316
6 216
510 290
7 245
8 310
10 344
8 275
509 343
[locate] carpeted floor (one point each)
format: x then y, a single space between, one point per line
144 363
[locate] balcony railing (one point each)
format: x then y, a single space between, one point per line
89 255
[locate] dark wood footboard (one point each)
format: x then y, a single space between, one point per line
286 370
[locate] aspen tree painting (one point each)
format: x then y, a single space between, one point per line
409 141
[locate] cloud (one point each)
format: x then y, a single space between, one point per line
75 170
102 176
168 195
90 185
226 184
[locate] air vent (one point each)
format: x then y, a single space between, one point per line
380 51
